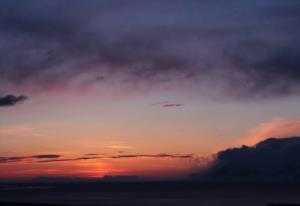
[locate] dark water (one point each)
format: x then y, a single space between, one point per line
152 193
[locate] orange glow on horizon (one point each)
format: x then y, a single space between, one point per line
148 167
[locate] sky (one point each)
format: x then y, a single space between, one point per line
150 88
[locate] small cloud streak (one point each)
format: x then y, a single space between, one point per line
167 104
162 155
172 105
71 159
11 100
24 158
46 156
91 154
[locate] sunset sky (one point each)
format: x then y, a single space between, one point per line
150 88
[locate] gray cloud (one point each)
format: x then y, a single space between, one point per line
242 49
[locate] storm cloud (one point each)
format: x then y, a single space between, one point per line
269 160
241 49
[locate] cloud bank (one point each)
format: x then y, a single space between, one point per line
269 160
240 49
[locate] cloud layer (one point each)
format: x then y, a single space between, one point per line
246 49
269 160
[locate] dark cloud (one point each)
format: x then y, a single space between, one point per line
46 156
271 159
153 156
239 48
11 100
172 105
24 158
167 104
91 154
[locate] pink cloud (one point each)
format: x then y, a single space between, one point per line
280 128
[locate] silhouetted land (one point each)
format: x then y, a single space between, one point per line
151 193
